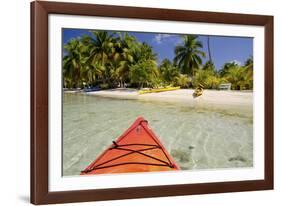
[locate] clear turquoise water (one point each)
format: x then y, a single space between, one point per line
196 138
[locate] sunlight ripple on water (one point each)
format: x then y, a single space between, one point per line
196 138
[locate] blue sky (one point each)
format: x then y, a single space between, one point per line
223 49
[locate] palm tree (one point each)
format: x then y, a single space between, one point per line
209 66
92 69
144 70
168 71
91 73
146 52
208 78
123 57
228 66
182 80
73 63
188 56
249 72
240 77
100 49
209 50
236 76
144 73
102 45
249 62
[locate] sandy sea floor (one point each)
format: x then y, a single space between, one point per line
211 131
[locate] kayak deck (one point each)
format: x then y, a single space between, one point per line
137 150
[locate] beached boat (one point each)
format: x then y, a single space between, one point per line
92 89
138 149
158 90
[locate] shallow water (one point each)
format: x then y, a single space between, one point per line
197 138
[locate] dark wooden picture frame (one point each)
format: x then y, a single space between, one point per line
39 102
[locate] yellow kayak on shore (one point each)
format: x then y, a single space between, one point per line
158 90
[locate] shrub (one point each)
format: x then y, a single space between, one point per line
207 78
182 80
104 86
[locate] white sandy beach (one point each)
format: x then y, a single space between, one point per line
210 98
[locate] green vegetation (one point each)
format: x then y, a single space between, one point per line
111 60
188 56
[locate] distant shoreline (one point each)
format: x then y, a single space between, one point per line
241 101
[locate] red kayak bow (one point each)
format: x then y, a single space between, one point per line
137 150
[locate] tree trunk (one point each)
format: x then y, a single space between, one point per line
209 50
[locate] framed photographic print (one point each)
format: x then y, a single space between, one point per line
131 102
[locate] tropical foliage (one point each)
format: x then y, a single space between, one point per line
188 56
241 77
118 59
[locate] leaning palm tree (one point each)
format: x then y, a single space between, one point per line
189 55
209 50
